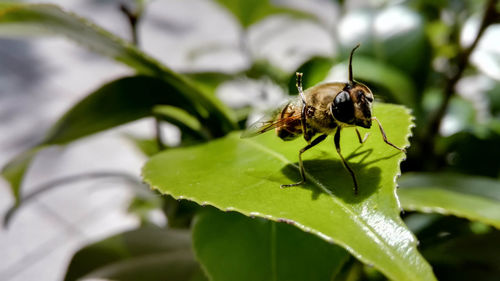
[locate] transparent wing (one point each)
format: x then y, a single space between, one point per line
268 123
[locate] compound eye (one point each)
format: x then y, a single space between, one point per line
343 108
342 97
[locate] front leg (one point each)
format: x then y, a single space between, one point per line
385 137
337 146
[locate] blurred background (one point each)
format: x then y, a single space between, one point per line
439 58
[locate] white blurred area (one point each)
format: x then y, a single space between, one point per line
42 78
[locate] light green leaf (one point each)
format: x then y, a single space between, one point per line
142 254
186 122
147 146
18 19
474 198
250 12
231 246
244 175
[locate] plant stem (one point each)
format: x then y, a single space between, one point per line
133 19
489 17
158 134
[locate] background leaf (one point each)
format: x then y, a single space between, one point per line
394 35
142 254
17 19
231 246
250 12
15 169
378 74
315 71
116 103
468 257
186 122
474 198
367 225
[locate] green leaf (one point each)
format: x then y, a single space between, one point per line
474 198
186 122
398 84
148 146
116 103
250 12
142 254
244 175
231 246
467 257
17 19
15 169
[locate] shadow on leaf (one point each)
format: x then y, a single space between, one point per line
337 181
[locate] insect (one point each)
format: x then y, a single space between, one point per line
323 109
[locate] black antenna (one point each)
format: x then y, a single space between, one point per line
351 81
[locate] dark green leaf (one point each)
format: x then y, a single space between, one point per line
471 154
116 103
468 257
231 246
245 175
400 87
474 198
143 254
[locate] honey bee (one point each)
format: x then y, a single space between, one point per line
323 109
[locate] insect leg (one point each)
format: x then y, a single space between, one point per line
301 165
336 139
361 140
385 137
